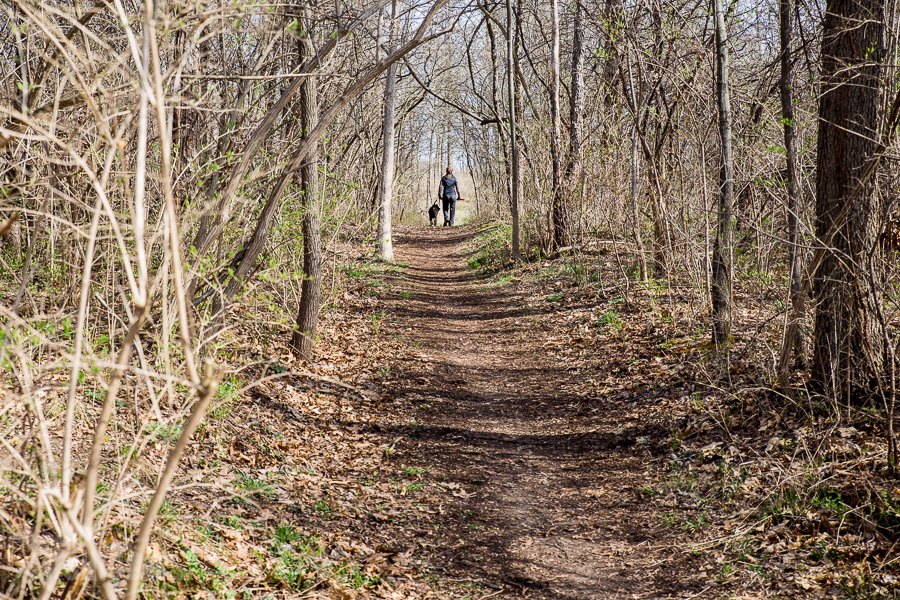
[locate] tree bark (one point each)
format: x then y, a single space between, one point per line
561 219
611 65
576 105
658 212
311 289
10 235
515 187
636 217
385 246
185 118
852 45
793 341
636 139
721 263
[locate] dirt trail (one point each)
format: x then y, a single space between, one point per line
549 502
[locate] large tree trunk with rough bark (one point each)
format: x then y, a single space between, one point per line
846 354
311 289
721 262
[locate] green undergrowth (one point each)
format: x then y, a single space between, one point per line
492 251
302 562
294 560
377 278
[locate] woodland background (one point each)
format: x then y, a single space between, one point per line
166 163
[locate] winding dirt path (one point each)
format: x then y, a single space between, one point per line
550 503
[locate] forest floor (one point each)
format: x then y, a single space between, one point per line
550 474
553 472
484 460
476 429
533 431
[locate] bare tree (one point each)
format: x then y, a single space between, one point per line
793 342
561 221
576 105
386 189
515 184
721 262
311 289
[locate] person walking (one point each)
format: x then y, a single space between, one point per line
448 192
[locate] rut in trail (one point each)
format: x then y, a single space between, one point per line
557 510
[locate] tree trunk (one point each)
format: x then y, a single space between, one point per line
658 212
721 263
469 167
11 236
385 246
185 119
793 339
611 65
515 187
311 289
848 117
576 105
636 140
561 218
429 184
636 218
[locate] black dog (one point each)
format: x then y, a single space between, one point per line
433 213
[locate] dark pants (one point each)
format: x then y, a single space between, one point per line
449 210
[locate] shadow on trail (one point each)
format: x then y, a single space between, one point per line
546 483
437 311
429 237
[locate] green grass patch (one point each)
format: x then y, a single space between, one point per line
492 249
302 562
610 319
